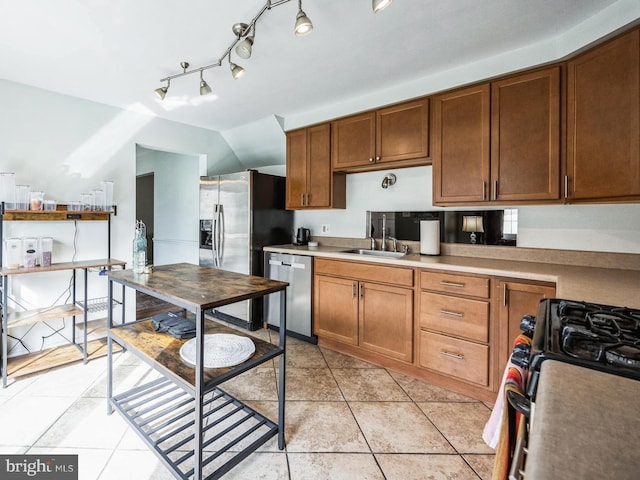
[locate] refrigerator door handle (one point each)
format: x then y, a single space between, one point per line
221 234
216 237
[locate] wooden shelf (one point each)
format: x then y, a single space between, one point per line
55 357
103 262
164 350
38 315
53 215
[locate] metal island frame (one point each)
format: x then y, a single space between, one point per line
196 429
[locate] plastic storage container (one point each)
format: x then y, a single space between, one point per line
46 249
30 249
13 253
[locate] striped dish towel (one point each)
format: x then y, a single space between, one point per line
499 432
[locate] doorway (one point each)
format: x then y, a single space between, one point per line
145 185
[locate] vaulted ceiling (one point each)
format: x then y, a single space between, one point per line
116 51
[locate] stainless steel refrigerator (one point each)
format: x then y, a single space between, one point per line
240 213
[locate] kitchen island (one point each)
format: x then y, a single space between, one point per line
195 428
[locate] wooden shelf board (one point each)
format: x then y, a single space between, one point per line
103 262
43 315
55 357
54 215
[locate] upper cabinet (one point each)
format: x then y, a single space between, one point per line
603 122
395 136
525 137
460 145
310 181
499 141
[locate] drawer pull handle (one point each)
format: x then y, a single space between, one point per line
453 355
452 284
451 314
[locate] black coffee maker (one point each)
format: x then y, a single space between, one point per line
302 236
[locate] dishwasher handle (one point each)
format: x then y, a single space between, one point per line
280 263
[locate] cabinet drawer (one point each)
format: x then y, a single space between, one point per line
460 317
455 283
364 271
451 356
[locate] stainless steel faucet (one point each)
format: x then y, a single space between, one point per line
383 246
395 244
373 243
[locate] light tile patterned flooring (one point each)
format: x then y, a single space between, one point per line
345 419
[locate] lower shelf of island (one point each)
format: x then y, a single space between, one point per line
162 411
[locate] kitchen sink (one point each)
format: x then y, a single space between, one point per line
375 253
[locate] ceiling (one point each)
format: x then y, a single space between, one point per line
116 51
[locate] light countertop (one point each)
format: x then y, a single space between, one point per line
572 438
599 285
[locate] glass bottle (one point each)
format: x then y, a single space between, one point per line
140 248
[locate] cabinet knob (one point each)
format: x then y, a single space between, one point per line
371 159
377 159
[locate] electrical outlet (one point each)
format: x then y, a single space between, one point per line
325 228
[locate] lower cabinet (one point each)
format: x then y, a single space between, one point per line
515 300
354 305
464 329
454 325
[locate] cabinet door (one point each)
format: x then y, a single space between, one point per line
296 168
516 299
386 320
603 120
460 145
402 132
335 309
525 137
353 141
319 166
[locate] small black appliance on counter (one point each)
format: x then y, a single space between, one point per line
302 236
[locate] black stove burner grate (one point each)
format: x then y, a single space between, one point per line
599 333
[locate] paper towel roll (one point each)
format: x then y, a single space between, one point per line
430 237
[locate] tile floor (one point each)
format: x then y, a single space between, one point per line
345 419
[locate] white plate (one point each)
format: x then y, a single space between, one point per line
220 350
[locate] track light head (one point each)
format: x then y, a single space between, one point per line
243 49
204 86
161 92
303 24
379 5
236 70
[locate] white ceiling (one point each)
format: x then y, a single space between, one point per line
116 51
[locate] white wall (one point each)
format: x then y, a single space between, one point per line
65 146
176 203
604 228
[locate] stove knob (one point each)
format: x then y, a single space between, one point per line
527 324
520 355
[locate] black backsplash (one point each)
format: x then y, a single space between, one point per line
406 226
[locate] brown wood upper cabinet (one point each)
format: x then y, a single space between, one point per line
499 141
603 121
310 181
395 136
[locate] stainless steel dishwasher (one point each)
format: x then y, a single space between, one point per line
297 271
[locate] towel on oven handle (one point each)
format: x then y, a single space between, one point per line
498 433
174 324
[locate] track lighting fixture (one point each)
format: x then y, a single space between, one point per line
243 49
162 91
243 44
236 70
379 5
303 23
204 87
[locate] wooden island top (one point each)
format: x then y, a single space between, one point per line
192 286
